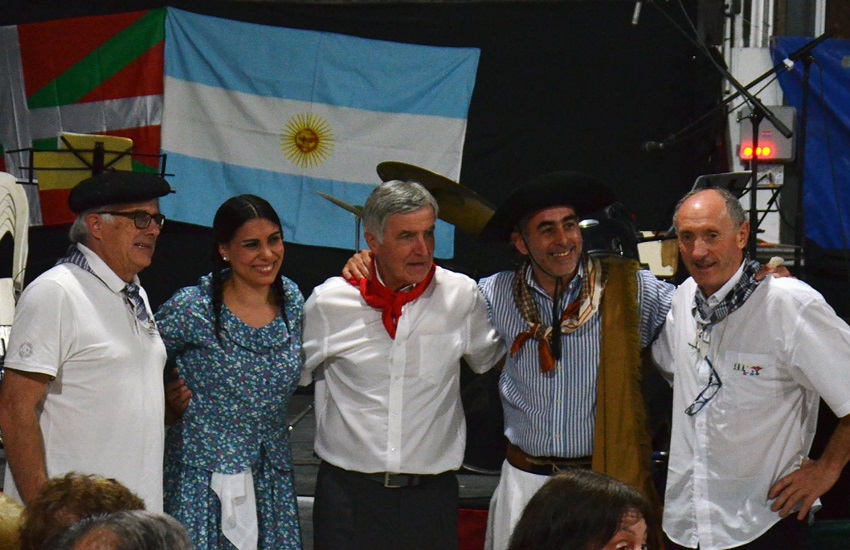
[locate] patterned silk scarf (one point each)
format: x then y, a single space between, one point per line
390 302
575 315
735 299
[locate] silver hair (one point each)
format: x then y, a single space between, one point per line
127 530
394 197
79 231
733 205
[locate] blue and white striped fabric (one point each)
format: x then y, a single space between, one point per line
134 300
283 113
554 414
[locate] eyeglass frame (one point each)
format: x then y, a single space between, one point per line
701 399
136 215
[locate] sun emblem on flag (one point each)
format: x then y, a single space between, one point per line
307 140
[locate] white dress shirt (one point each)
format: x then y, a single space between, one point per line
775 355
393 405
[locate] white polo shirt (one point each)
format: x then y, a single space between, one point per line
104 409
393 405
775 355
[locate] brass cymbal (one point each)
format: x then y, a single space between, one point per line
356 210
459 205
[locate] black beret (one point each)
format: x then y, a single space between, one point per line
116 188
583 193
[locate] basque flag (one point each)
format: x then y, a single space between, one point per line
88 75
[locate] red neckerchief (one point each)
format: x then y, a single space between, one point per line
389 302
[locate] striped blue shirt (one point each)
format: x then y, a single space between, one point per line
553 414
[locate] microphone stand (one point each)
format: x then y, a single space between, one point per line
801 54
758 113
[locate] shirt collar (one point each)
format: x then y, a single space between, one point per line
407 288
572 287
103 271
721 293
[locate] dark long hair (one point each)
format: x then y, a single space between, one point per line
232 215
578 510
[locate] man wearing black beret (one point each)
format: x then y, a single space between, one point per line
83 386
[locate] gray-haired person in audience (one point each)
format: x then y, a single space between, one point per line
129 530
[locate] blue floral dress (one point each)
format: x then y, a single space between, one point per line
236 418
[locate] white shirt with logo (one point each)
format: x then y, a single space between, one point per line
776 355
104 409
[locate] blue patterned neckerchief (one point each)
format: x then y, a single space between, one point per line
733 300
130 292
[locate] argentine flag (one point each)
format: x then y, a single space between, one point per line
283 113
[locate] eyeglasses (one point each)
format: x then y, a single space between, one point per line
708 393
140 218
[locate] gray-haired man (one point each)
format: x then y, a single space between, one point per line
389 422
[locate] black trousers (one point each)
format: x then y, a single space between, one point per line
353 512
787 534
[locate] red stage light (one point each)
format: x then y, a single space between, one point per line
762 152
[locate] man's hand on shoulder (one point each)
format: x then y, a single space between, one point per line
775 266
177 397
358 266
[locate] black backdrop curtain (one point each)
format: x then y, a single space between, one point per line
561 85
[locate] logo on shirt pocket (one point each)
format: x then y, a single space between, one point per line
747 370
750 380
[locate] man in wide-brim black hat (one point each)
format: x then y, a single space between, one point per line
570 390
574 326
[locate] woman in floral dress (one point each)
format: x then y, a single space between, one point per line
236 341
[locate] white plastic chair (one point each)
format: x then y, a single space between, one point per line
14 220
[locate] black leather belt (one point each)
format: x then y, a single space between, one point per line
543 465
397 481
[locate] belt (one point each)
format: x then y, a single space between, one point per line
543 465
397 481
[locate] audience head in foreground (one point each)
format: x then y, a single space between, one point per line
583 510
11 517
66 500
130 530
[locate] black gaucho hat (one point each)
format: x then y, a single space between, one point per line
116 188
583 193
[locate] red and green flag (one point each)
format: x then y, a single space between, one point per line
89 75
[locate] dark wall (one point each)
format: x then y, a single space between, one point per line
561 85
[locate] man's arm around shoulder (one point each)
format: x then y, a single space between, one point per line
20 396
